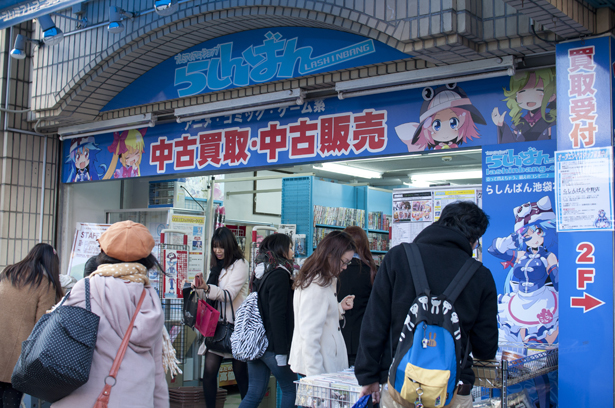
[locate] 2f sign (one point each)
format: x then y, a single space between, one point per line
585 275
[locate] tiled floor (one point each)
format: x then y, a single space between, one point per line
233 399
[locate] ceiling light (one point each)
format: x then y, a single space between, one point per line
239 105
450 175
107 126
19 49
482 69
418 184
52 35
115 19
348 170
165 8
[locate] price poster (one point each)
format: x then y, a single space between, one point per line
584 180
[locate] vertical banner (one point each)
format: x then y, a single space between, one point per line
522 250
585 89
175 266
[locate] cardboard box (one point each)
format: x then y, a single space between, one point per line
270 397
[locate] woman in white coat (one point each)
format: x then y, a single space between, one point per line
318 345
229 271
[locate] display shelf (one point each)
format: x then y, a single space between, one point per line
373 251
537 360
378 231
329 226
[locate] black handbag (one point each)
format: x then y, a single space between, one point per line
191 305
221 340
57 357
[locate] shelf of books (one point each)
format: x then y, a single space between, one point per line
320 206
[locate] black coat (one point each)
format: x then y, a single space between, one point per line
443 251
354 280
275 301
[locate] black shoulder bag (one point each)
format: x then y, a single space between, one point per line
221 340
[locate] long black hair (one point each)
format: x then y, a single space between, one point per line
42 260
225 239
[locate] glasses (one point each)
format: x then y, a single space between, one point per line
345 262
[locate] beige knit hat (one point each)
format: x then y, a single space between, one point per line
127 241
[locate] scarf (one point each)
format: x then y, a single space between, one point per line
267 262
214 272
128 271
135 272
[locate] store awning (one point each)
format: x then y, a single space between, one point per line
17 11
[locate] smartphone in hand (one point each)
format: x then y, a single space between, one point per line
198 281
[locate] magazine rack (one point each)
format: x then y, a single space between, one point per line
539 359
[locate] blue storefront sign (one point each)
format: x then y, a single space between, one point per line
521 250
253 57
585 88
439 118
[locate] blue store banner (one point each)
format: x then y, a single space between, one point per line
522 250
445 117
586 291
582 91
253 57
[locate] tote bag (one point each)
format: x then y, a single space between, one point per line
206 319
57 357
221 340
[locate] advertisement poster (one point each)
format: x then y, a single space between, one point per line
520 248
175 267
192 226
431 118
444 198
584 179
85 246
412 213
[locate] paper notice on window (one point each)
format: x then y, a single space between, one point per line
584 189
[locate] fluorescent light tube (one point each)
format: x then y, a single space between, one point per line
240 105
348 170
452 175
106 126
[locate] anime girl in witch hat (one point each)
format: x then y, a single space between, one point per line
448 119
82 158
529 311
127 147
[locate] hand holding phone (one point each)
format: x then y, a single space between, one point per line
198 280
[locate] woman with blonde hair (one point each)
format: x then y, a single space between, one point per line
357 279
27 290
317 345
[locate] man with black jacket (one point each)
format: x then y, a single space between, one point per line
444 248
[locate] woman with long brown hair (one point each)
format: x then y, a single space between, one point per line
357 279
318 346
27 290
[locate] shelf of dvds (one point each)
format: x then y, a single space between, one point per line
319 206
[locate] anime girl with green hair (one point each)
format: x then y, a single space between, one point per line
534 93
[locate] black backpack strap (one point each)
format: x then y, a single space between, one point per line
417 269
462 278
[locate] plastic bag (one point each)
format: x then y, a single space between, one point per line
191 305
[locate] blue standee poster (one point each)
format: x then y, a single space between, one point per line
521 250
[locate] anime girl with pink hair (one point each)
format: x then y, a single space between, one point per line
448 119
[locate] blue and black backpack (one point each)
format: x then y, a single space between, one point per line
426 367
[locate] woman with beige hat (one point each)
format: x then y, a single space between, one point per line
115 289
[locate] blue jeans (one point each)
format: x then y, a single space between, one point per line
259 371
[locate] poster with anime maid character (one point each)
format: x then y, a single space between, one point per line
522 251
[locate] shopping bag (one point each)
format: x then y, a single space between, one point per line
191 305
206 319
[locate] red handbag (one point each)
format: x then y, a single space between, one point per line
206 319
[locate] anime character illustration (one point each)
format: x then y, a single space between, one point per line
448 119
128 148
602 221
534 93
82 157
171 262
529 310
